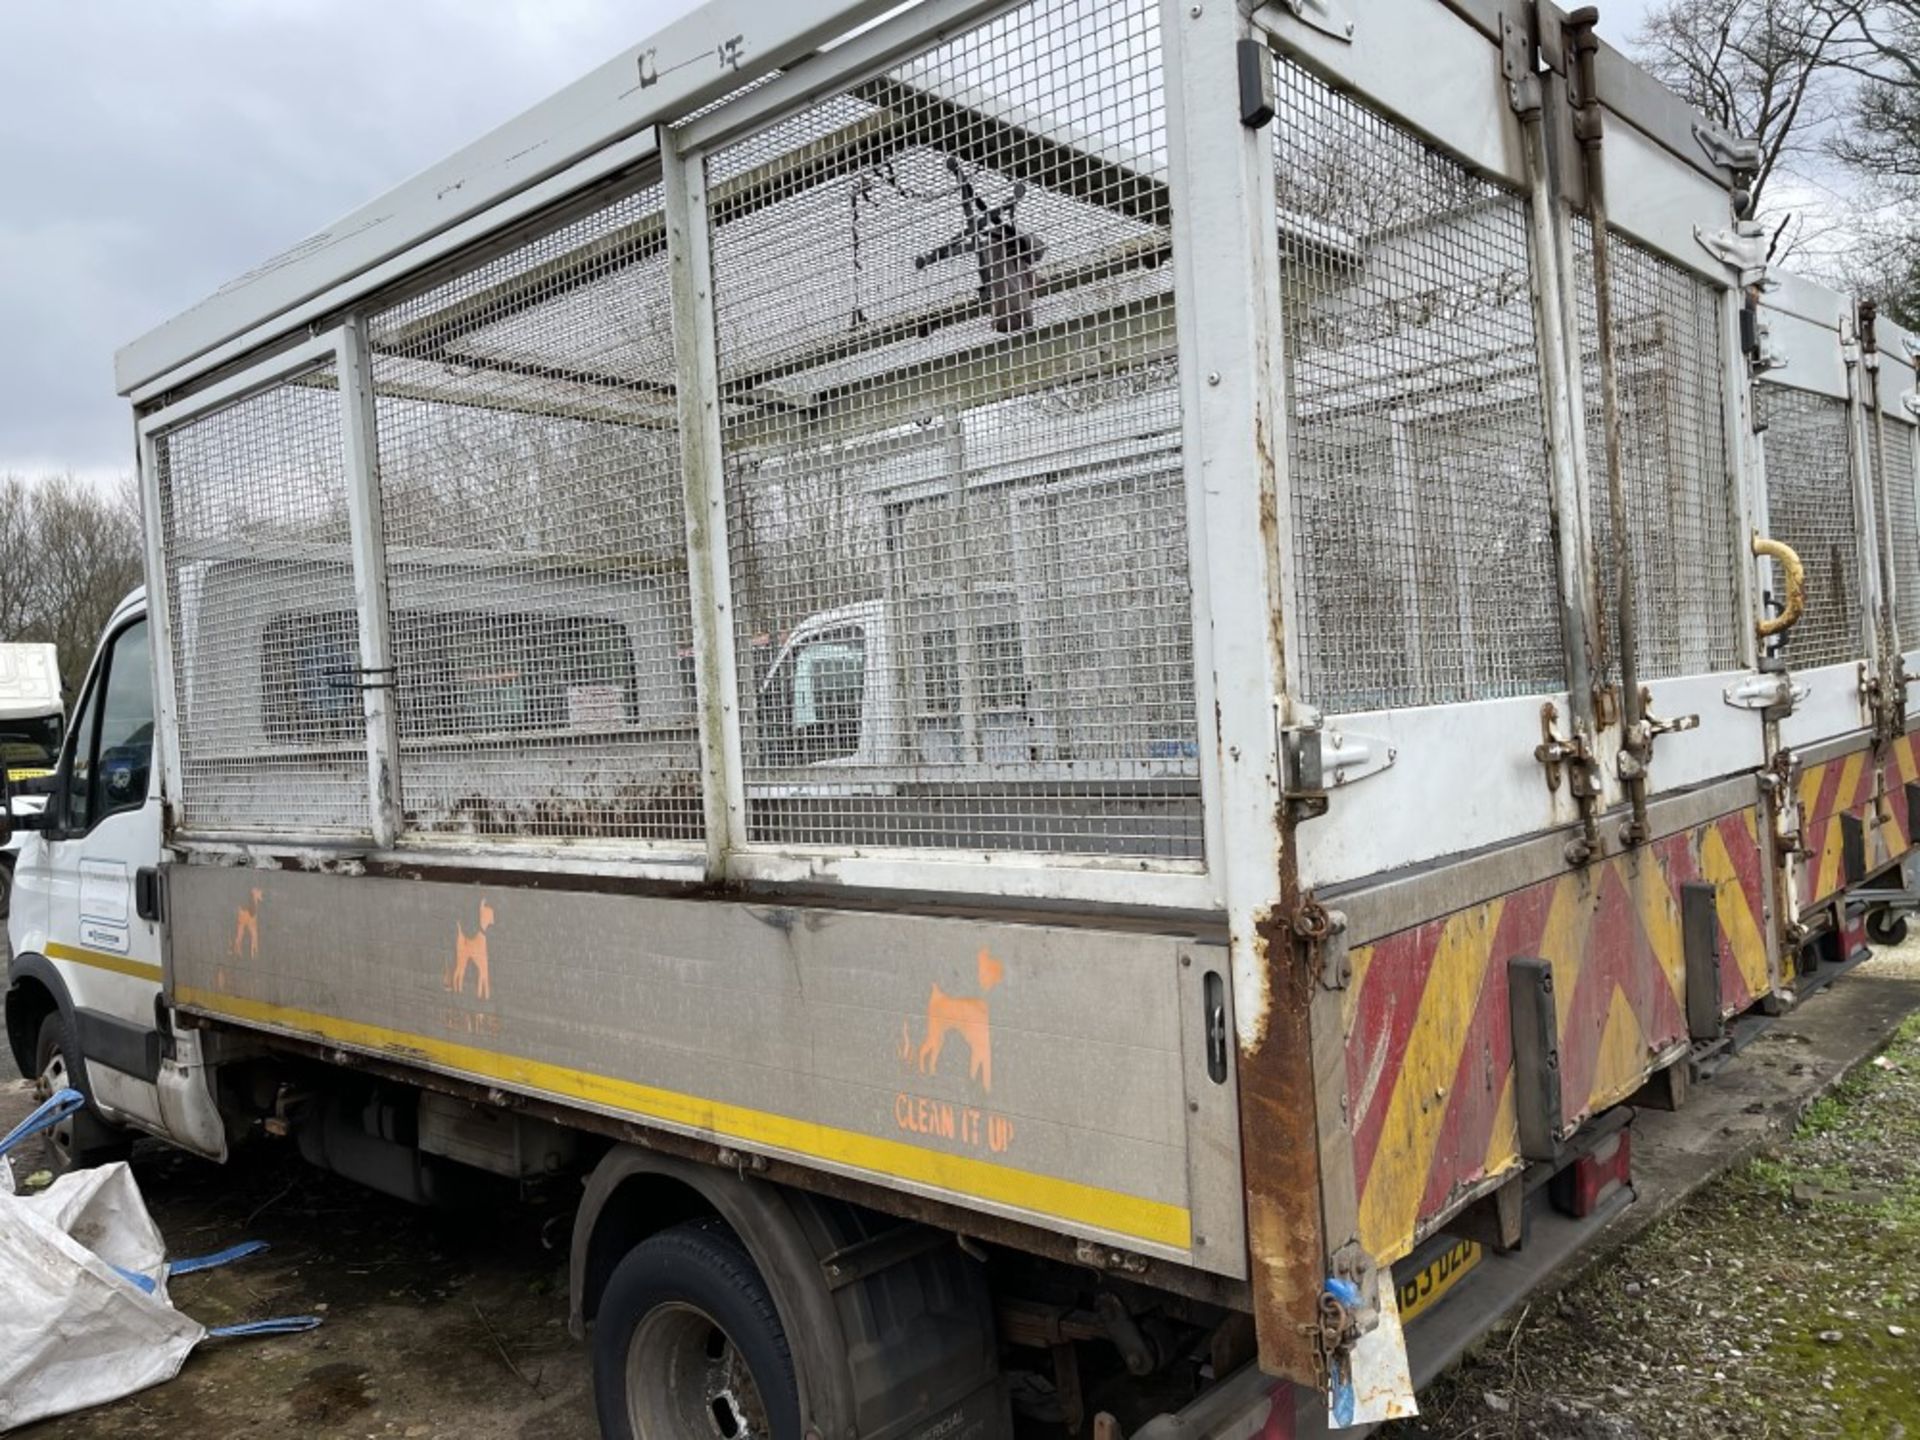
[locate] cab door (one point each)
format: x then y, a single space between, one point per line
101 862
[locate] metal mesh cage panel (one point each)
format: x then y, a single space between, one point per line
1421 501
536 545
1903 534
253 509
1810 506
951 425
1671 366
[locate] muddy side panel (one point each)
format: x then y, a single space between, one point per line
1433 1095
1038 1072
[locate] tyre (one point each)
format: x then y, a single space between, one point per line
6 886
1885 927
687 1344
79 1140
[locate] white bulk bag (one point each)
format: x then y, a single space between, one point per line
84 1313
75 1332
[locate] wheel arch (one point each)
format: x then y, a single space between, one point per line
840 1277
635 1193
34 991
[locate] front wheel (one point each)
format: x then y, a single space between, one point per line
687 1344
81 1139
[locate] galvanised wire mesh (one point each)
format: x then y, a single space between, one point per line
1669 352
1810 506
1903 533
951 426
536 544
253 510
1421 501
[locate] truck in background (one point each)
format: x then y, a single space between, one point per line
32 720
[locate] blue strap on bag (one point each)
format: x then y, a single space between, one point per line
50 1113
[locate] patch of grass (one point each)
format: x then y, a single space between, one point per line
1781 1301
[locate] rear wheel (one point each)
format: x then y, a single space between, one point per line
82 1139
687 1344
1886 927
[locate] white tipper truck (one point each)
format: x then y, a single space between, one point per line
1074 693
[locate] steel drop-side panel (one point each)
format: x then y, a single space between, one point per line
1034 1072
1431 1080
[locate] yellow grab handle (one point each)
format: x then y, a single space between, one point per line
1796 586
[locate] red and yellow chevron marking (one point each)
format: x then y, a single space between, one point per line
1853 785
1429 1050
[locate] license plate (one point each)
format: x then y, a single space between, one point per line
1425 1287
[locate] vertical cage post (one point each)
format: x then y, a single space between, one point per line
359 437
697 388
1226 251
1556 326
160 628
1589 122
1749 499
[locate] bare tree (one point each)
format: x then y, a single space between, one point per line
1878 140
1763 70
68 555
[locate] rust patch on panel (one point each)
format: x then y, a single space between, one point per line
1280 1149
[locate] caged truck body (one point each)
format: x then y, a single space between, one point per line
1072 691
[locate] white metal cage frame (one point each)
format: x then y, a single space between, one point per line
524 445
844 473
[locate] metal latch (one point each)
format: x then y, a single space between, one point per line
1764 692
1329 17
1572 751
1636 751
1731 152
1346 757
1741 247
1319 757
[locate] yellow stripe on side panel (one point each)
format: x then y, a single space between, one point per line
1084 1205
103 960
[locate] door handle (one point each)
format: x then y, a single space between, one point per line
147 892
1796 574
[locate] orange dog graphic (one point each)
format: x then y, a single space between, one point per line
967 1017
246 926
471 950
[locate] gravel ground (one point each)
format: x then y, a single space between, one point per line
1781 1300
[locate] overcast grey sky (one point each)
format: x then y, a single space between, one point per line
149 153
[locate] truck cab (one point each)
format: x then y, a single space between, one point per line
83 999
